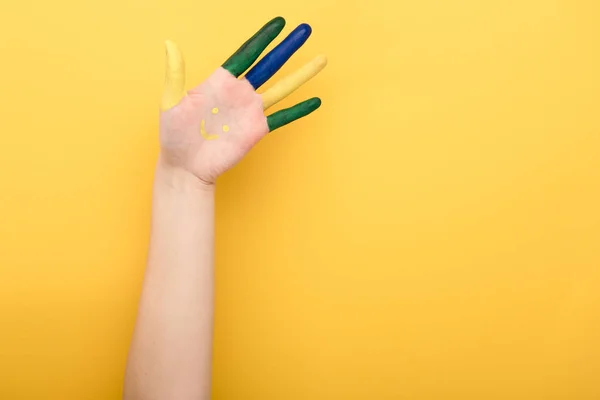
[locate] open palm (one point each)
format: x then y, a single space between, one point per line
208 129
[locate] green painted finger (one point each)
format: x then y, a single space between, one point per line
284 117
245 56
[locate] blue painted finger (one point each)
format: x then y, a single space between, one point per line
274 60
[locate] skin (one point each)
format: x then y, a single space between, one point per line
203 133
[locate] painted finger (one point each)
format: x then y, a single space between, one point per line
174 87
287 85
274 60
284 117
245 56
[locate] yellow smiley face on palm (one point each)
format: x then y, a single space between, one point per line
211 136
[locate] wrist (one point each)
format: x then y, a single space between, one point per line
180 180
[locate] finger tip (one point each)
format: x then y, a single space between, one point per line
276 25
173 54
304 30
170 49
321 60
169 44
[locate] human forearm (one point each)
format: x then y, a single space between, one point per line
170 355
203 132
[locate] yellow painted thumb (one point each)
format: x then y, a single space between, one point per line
174 89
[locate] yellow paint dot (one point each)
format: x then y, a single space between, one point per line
215 110
225 128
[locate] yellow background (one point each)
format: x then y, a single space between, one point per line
433 232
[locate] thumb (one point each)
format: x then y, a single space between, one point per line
173 90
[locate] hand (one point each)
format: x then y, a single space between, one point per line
210 128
